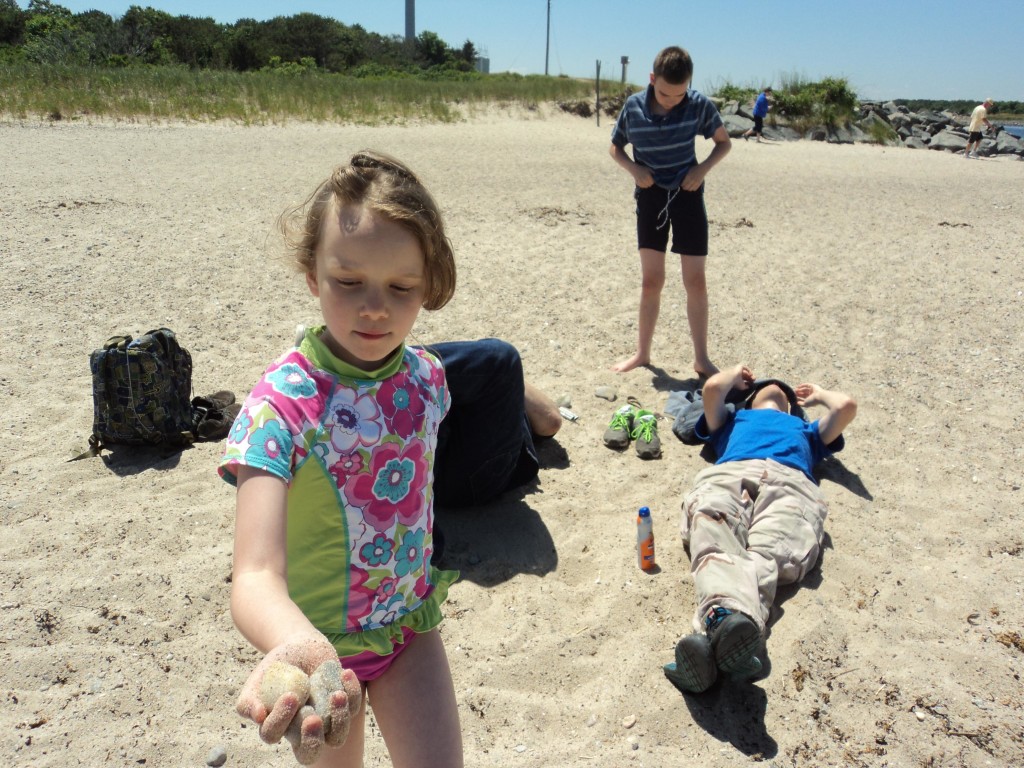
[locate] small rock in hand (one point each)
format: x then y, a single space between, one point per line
322 683
281 678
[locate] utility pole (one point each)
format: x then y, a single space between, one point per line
547 45
410 21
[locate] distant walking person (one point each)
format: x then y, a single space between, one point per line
761 107
978 116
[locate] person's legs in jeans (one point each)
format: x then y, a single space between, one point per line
484 444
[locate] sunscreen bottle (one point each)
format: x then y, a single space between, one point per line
645 539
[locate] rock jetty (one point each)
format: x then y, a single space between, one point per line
882 122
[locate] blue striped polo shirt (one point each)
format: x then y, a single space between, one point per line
665 143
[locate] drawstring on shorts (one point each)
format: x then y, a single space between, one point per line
663 214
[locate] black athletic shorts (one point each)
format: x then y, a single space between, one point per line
758 124
683 211
973 137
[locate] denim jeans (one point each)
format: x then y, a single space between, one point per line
484 444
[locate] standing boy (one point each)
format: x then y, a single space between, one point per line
978 116
662 124
754 520
761 107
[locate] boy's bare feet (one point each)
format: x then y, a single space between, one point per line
633 362
541 411
705 369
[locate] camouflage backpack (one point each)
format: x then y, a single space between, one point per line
142 390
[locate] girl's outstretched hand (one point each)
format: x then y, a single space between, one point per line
299 691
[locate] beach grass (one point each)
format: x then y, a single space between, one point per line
172 93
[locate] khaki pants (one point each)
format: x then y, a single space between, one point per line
750 526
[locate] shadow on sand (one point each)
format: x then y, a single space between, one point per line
125 460
734 713
491 543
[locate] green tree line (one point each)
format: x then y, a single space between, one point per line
48 33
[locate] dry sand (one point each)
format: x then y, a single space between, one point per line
895 275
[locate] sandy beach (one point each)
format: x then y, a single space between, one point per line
891 274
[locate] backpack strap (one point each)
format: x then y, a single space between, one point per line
115 342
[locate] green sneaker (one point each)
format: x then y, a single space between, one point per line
645 433
619 428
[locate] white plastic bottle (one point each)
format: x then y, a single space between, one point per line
645 539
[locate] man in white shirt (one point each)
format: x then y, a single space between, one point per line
978 116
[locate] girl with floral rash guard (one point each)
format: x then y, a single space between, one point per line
332 454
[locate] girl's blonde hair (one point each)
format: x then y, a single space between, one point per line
386 187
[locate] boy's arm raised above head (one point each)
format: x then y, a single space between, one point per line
718 387
841 409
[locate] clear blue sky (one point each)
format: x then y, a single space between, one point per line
884 48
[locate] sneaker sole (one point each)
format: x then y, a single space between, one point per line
648 450
735 642
694 670
616 440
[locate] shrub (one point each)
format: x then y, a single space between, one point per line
304 66
881 133
728 91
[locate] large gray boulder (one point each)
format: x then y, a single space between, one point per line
914 143
736 125
987 148
948 141
729 108
932 122
873 118
1008 144
873 112
899 120
847 134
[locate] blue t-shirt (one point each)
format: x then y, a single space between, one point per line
761 106
764 433
664 144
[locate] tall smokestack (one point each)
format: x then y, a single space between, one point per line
410 20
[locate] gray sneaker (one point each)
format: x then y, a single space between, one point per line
645 433
694 669
735 641
620 427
